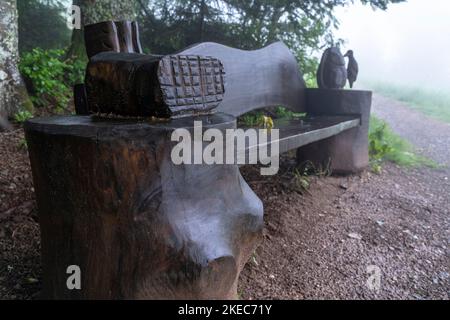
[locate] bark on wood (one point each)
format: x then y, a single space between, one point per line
112 202
148 85
94 11
121 80
117 36
80 99
13 94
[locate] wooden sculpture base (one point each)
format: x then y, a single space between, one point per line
139 227
347 152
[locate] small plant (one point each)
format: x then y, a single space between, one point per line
300 180
253 259
384 145
310 169
284 113
300 175
23 144
22 116
251 119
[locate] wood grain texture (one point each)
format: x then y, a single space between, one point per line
295 133
132 84
116 36
347 152
80 99
101 37
255 79
111 201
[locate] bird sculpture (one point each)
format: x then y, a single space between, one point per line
331 73
352 68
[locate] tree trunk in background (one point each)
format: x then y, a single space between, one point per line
93 11
202 20
13 94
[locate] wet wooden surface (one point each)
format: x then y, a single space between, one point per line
294 133
255 79
111 201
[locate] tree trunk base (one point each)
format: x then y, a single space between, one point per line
112 202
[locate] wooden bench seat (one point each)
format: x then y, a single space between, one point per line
295 133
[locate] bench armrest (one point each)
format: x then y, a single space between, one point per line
346 152
327 102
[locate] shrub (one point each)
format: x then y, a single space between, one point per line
384 144
50 78
22 116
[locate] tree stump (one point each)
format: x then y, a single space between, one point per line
112 202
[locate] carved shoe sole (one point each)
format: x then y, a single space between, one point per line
131 84
191 83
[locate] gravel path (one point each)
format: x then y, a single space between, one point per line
430 136
319 245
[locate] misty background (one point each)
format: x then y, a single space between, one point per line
407 44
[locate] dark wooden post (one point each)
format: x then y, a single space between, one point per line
112 202
348 152
115 36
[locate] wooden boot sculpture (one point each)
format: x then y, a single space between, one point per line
112 203
121 80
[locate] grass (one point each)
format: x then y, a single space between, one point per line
433 103
283 113
384 145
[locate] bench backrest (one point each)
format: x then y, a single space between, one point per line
267 77
256 79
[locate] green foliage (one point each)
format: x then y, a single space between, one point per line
433 103
23 144
251 119
300 176
50 78
309 72
300 180
22 116
304 25
384 144
283 113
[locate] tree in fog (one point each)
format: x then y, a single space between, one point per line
13 94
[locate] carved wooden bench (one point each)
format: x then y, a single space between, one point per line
271 77
112 202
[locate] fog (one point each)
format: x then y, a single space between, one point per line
409 43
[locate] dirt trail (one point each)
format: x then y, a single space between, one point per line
320 245
430 136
